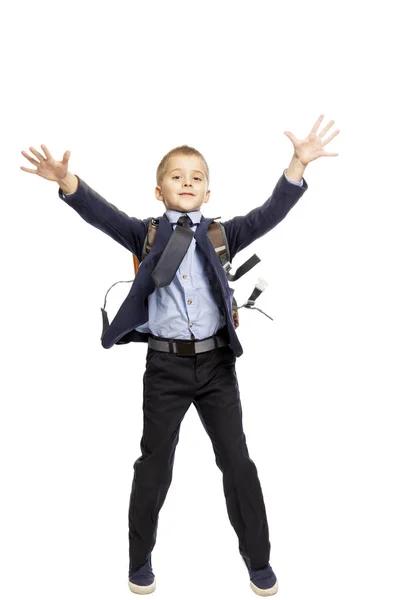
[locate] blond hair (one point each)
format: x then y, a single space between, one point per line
186 151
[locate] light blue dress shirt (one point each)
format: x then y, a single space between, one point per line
187 305
186 308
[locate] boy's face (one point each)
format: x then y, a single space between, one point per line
184 175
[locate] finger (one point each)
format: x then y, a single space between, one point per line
325 129
29 170
329 154
46 152
36 153
290 135
330 137
316 124
32 160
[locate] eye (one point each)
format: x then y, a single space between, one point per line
175 176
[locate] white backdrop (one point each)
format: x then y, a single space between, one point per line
120 85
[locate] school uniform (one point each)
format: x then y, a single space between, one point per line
195 306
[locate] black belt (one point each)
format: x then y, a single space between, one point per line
187 347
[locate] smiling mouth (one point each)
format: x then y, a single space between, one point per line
186 194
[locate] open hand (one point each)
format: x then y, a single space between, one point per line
47 166
312 146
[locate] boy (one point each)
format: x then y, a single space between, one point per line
181 305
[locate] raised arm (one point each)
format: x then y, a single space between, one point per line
93 208
243 230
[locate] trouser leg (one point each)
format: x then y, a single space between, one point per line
167 386
218 404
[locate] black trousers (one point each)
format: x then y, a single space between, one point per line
170 384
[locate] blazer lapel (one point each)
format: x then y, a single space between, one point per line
163 234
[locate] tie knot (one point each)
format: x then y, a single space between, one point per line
185 221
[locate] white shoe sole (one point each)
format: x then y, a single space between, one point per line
260 592
142 589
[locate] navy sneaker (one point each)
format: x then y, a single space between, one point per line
142 580
263 581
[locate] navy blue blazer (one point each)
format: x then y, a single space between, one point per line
130 232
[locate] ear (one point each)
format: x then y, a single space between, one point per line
207 196
158 193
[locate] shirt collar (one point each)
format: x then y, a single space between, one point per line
173 215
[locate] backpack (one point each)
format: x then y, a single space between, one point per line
217 236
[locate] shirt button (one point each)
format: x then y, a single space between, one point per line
189 302
185 277
190 324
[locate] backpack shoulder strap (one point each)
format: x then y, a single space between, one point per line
152 227
151 234
216 233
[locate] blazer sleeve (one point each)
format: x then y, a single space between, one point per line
243 230
95 210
